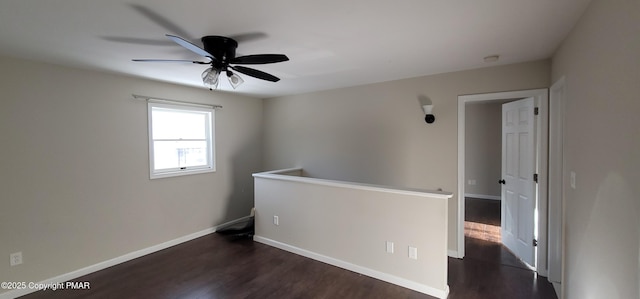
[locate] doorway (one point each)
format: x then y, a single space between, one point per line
541 101
483 170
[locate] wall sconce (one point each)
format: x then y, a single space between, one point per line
427 107
428 116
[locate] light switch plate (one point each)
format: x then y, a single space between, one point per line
572 179
389 247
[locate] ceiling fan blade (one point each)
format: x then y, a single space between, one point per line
170 60
255 73
189 46
159 19
249 36
260 59
139 41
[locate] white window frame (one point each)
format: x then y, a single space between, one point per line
209 113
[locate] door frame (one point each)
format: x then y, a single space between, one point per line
557 100
541 97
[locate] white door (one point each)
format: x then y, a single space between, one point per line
518 186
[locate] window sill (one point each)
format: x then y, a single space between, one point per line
161 175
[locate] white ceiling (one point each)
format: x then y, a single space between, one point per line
331 43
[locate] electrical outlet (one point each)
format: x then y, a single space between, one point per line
472 182
276 220
15 258
572 179
413 253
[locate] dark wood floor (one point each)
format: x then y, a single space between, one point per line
216 267
482 219
485 211
497 272
489 270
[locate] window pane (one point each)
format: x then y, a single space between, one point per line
171 124
176 154
180 140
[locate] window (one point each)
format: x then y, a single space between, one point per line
180 139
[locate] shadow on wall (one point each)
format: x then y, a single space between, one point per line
609 244
244 163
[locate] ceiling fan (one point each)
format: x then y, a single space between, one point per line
221 52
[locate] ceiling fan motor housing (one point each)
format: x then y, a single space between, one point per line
222 48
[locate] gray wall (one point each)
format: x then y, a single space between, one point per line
348 225
601 61
376 133
74 184
483 143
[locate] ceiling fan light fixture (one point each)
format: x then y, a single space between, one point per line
234 79
210 78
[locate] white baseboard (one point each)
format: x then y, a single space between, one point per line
453 254
425 289
118 260
482 196
557 287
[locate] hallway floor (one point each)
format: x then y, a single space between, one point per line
489 269
482 219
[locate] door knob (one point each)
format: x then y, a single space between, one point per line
502 182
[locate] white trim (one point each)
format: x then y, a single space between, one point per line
461 177
482 196
119 260
453 254
557 287
279 171
278 175
557 99
209 138
539 94
542 161
425 289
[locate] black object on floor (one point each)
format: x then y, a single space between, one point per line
243 229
